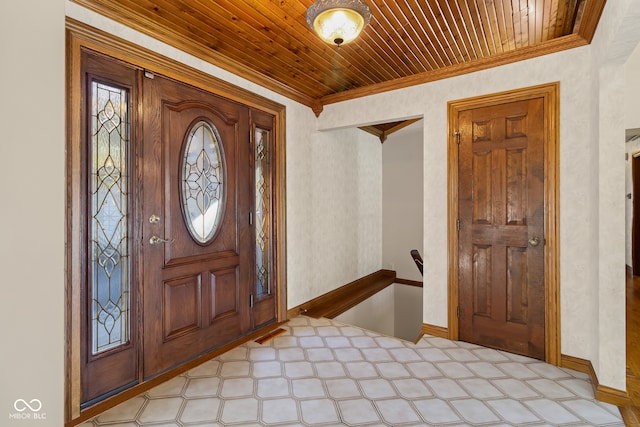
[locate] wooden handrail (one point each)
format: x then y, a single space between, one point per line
417 259
339 300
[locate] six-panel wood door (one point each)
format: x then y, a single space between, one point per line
196 294
501 229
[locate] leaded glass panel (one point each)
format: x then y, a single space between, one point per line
263 212
202 182
109 246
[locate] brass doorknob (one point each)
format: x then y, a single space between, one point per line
534 241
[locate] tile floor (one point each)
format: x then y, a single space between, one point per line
324 373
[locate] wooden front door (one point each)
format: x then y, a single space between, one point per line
175 218
502 227
197 241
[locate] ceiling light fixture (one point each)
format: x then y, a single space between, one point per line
338 22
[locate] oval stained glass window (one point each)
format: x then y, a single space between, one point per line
202 182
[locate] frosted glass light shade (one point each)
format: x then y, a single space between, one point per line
338 21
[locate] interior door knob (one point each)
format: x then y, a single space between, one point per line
534 241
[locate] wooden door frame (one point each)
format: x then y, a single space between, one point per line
80 36
550 94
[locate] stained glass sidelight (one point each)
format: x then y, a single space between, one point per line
263 212
202 182
109 246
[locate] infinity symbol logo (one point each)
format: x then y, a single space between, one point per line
21 405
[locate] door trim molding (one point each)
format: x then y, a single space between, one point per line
79 37
550 93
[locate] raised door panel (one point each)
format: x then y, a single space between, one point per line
225 292
181 306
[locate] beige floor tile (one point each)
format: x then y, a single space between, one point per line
436 411
513 411
343 388
207 369
396 411
411 388
172 387
237 387
330 370
163 409
550 389
291 354
318 411
124 412
480 388
361 370
298 369
200 410
267 369
446 388
279 411
308 388
590 411
515 388
235 369
240 410
377 388
393 370
202 387
474 411
358 411
273 387
551 411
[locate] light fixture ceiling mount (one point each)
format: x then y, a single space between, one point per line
338 22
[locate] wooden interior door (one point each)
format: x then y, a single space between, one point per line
501 227
196 283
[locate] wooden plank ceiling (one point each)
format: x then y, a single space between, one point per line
407 42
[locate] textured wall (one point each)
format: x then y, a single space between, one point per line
402 200
32 184
335 229
408 311
382 304
397 309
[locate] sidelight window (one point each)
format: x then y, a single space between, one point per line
263 212
108 219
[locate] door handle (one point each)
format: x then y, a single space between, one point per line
534 241
155 240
